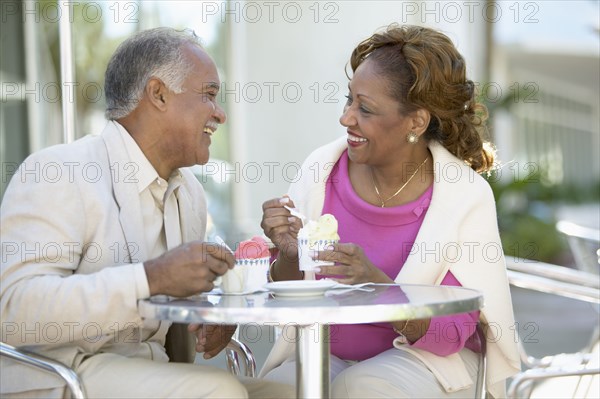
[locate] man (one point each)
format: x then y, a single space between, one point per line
90 228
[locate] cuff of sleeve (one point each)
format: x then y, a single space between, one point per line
142 289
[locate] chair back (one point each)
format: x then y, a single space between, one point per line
573 375
584 243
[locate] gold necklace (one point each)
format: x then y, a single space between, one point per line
400 189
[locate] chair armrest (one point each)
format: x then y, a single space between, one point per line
556 280
45 364
551 286
574 230
554 272
553 279
538 374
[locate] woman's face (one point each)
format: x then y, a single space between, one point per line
376 128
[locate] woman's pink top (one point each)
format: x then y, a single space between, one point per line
386 235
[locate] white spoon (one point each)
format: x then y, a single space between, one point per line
295 213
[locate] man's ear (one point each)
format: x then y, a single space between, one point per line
157 93
420 121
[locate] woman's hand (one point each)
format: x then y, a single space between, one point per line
281 227
212 338
351 265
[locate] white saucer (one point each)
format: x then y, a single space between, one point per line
296 288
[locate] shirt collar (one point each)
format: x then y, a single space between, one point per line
140 169
175 180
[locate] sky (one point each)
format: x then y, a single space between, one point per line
543 23
550 23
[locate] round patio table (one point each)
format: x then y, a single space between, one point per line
311 316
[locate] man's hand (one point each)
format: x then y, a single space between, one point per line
188 269
212 338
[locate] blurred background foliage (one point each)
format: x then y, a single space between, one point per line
528 201
528 212
91 50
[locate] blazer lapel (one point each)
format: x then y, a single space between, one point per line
126 194
193 226
187 217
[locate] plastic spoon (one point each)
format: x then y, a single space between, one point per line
296 214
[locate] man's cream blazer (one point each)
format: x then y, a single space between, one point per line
72 251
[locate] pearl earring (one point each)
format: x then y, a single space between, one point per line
412 138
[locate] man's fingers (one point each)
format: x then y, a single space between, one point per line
213 352
216 268
200 347
219 252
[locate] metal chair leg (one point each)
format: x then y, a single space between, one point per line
480 390
236 349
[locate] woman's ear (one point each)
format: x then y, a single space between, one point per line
156 92
420 121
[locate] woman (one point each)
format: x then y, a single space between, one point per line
411 209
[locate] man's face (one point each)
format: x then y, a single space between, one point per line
194 115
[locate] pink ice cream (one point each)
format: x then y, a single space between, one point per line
252 262
254 248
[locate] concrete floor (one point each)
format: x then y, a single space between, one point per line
549 324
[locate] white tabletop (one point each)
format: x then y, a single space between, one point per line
383 303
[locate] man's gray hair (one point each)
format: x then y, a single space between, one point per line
152 53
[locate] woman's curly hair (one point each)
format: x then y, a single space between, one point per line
426 71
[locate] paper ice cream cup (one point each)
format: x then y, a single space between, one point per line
255 273
306 247
233 282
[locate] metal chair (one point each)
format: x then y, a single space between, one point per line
584 243
180 344
539 373
48 365
480 390
234 351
